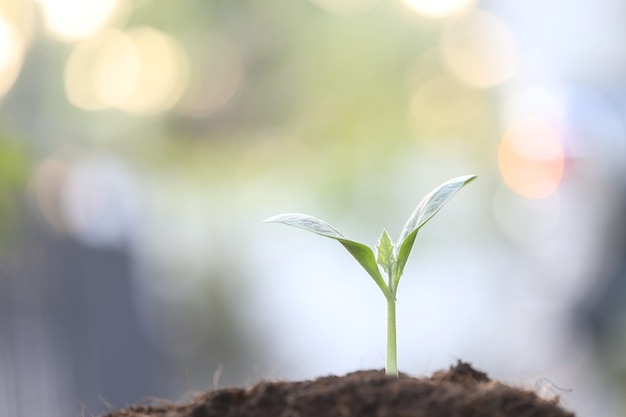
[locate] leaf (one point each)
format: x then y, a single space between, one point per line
386 259
306 222
361 252
425 210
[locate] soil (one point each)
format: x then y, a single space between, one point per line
461 391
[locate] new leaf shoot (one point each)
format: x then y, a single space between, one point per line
391 259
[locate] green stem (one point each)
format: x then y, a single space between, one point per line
391 367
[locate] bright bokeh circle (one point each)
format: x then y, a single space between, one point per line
12 49
70 20
142 71
531 158
437 8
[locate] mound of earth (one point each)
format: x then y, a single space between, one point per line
461 391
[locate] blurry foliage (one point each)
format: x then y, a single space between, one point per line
324 101
330 96
13 178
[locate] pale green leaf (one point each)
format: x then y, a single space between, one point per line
306 222
425 210
361 252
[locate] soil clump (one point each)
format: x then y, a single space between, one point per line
461 391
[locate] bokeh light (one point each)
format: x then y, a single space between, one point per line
93 198
141 71
12 49
117 70
531 158
164 72
86 70
479 49
99 201
75 19
438 8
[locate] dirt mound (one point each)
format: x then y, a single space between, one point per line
461 391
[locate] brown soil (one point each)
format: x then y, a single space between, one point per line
459 392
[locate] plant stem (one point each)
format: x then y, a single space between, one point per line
391 367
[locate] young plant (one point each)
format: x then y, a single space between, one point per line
391 259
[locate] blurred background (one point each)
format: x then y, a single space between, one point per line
142 142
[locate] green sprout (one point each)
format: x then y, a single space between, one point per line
391 259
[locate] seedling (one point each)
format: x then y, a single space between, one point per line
391 259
